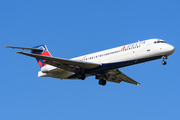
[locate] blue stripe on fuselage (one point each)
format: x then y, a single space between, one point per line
108 66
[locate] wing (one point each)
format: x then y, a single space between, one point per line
62 63
117 76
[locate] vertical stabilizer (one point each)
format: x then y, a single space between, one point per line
45 52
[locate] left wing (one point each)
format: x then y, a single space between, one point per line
58 62
117 76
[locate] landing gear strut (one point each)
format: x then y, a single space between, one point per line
82 75
102 82
164 62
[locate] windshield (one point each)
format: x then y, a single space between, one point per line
159 41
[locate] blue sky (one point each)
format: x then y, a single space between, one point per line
74 28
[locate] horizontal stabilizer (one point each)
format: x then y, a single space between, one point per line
24 48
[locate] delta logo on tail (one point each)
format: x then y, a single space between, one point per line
45 52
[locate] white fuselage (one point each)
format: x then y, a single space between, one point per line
122 56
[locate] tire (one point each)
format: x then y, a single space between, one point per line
82 76
102 82
164 62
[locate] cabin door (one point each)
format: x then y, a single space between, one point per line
148 47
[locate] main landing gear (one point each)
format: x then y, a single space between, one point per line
102 82
81 76
102 79
164 62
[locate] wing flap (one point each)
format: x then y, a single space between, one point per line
113 79
82 64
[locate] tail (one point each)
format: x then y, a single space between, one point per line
45 52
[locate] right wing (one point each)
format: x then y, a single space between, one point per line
117 76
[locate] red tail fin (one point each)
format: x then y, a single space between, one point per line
45 52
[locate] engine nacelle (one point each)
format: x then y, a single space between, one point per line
44 69
49 69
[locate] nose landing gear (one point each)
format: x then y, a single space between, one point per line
164 62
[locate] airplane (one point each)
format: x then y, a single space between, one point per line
104 65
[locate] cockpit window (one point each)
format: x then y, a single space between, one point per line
159 42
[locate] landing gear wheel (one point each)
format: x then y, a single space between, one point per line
82 76
102 82
164 62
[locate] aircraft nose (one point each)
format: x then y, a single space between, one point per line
171 49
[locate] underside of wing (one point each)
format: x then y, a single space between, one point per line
57 62
117 76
